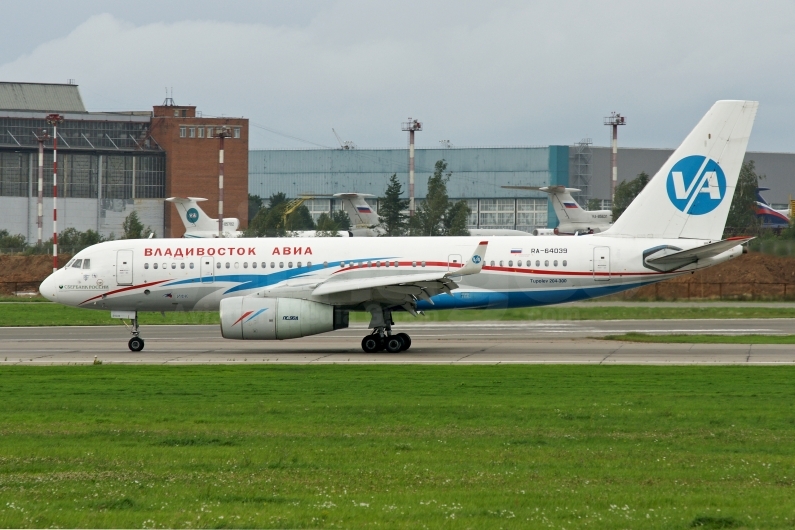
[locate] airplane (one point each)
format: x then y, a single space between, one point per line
769 217
198 224
283 288
573 220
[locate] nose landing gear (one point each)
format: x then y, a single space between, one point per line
136 343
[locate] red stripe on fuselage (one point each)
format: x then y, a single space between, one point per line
130 288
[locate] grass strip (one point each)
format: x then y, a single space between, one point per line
703 339
50 314
397 446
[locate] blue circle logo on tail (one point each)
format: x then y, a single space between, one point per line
696 185
475 259
193 215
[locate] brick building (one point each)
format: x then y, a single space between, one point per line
191 148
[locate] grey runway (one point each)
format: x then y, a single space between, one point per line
568 342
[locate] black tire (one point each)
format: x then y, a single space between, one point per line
394 344
406 341
136 344
372 344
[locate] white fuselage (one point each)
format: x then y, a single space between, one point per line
194 275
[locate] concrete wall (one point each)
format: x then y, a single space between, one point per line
81 214
778 167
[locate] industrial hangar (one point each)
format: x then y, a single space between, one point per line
111 163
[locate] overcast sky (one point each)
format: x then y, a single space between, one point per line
475 73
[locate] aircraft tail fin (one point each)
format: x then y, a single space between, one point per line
690 195
360 213
193 217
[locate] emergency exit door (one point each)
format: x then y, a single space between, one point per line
206 269
601 264
124 267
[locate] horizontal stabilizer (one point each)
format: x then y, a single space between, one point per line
694 254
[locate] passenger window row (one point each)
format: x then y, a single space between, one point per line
529 263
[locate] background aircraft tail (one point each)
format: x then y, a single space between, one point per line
193 217
360 213
690 195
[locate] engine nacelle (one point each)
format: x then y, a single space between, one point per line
277 318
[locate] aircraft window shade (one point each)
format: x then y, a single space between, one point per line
538 263
546 263
86 263
146 265
77 264
377 263
281 264
237 264
413 263
245 265
325 264
254 265
191 264
182 265
492 263
154 265
289 264
273 265
386 264
423 263
519 263
228 265
308 264
501 263
298 264
218 265
564 263
510 263
165 265
555 263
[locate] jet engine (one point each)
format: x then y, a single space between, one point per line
277 318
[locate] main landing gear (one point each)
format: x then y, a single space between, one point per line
136 343
381 337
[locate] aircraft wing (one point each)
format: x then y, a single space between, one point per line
422 285
702 252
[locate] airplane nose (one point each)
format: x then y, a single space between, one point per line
49 288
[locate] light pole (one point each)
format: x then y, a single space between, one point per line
40 202
54 120
411 126
221 132
614 120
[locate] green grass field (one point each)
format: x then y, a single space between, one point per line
400 446
50 314
704 339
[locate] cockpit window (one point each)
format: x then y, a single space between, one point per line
77 263
86 263
69 264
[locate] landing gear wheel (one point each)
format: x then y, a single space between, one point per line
394 344
372 344
406 341
136 344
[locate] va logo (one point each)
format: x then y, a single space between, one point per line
475 259
193 215
696 185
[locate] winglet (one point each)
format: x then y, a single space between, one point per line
475 263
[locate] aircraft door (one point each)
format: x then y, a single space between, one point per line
207 269
601 264
124 267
